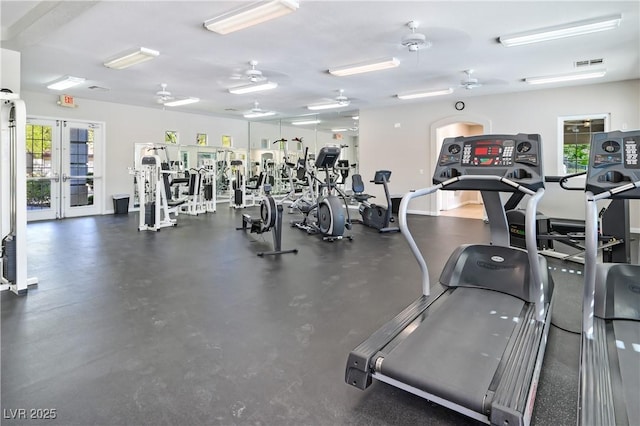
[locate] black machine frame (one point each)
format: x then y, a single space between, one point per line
330 208
270 220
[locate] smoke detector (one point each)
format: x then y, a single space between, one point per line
415 41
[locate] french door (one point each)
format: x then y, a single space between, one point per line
64 169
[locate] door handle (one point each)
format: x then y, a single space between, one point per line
56 177
64 177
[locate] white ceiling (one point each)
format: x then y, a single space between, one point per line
75 38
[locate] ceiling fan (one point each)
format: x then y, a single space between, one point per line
415 41
338 102
163 95
470 82
257 112
252 75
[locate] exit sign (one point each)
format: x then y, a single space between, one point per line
66 101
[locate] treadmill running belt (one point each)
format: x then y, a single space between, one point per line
454 352
627 335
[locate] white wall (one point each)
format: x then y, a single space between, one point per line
10 70
401 138
126 125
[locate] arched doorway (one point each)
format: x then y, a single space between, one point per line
458 203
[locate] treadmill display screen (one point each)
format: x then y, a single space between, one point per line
488 153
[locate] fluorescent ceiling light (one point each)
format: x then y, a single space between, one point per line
131 58
181 102
417 95
304 122
363 67
356 117
565 77
328 106
562 31
250 88
250 15
65 83
259 114
339 130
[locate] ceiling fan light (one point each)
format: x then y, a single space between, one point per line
251 88
377 65
561 31
66 83
418 95
131 58
181 102
565 77
250 15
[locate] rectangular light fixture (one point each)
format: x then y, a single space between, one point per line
250 15
305 122
131 58
561 31
566 77
259 114
417 95
330 105
251 88
181 102
65 83
377 65
339 130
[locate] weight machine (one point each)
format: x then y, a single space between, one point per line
154 189
243 195
201 191
13 196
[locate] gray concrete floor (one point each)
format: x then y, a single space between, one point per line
187 326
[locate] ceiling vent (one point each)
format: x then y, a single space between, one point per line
588 62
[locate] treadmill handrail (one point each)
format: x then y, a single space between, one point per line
531 243
591 252
532 252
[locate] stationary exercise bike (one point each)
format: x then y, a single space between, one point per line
374 215
329 208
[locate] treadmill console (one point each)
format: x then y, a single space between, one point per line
613 161
515 157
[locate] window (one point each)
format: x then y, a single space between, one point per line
576 138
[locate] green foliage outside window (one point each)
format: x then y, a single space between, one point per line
576 157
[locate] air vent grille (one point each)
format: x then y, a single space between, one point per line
589 62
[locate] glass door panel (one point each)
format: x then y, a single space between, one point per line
81 172
43 169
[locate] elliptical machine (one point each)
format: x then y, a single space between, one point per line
374 215
329 208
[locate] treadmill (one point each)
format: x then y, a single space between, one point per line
478 346
610 351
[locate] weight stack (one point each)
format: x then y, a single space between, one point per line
150 213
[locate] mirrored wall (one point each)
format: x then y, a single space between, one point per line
275 147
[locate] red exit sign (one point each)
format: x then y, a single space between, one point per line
66 101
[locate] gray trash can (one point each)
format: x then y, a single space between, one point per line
120 203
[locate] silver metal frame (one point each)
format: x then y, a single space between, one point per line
498 231
13 168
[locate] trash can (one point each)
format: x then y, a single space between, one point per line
395 203
120 203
